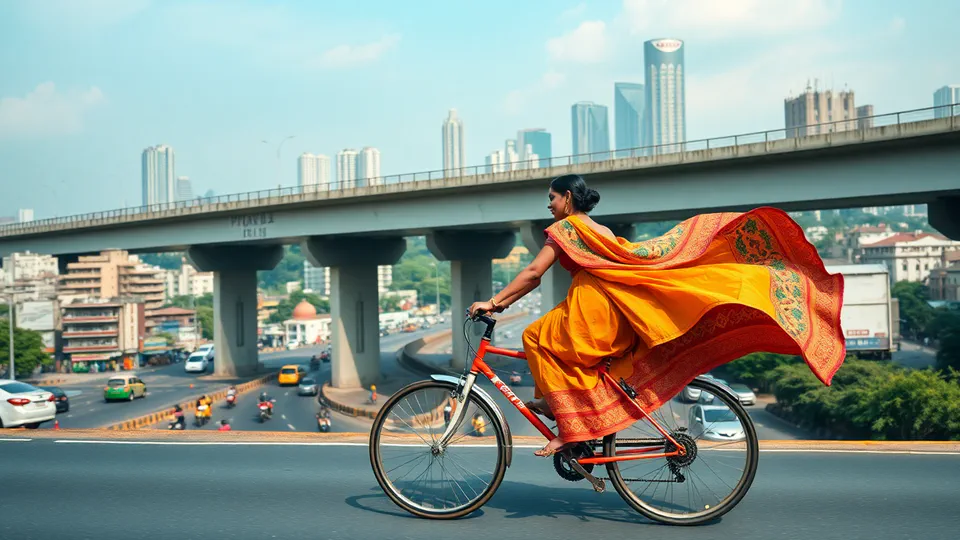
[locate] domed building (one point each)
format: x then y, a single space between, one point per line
305 327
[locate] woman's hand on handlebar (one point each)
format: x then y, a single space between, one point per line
486 307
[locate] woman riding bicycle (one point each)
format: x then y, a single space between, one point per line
662 311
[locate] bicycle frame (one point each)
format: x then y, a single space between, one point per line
479 366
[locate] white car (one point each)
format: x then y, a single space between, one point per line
715 423
207 350
744 393
22 404
196 363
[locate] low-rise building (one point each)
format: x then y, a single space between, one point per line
102 335
910 256
305 326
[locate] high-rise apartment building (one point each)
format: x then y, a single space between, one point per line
591 132
313 172
113 274
453 145
347 168
865 116
316 279
184 189
511 157
664 112
158 175
628 103
24 215
947 101
539 141
815 112
368 167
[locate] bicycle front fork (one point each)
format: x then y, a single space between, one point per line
461 394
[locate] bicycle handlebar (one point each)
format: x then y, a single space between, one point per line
481 316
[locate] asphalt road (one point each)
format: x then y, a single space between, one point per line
915 356
208 491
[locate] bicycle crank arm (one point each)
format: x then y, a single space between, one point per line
598 484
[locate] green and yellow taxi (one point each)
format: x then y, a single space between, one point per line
127 387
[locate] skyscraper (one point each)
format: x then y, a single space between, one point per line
453 145
814 112
664 111
540 141
184 188
495 161
511 158
944 97
24 215
313 172
347 168
628 103
158 167
368 167
864 116
591 131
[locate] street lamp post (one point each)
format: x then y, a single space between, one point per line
437 265
13 371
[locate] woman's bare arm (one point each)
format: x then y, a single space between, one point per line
528 278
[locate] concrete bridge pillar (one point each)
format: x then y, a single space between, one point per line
555 283
471 271
235 301
945 216
354 302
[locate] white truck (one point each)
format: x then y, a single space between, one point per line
869 318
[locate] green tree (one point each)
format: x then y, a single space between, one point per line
390 304
948 356
290 268
285 307
915 312
757 369
167 261
205 318
29 350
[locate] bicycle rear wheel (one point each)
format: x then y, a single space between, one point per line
719 466
420 477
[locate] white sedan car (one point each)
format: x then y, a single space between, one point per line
22 404
208 351
196 363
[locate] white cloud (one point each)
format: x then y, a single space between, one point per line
574 12
718 19
587 44
45 111
517 100
343 56
897 25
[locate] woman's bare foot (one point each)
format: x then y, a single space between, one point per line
540 407
551 448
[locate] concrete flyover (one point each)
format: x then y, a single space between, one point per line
470 220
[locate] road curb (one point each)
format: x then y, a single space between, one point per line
345 409
47 382
150 419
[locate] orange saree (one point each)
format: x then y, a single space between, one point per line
714 288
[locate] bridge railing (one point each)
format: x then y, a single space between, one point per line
417 180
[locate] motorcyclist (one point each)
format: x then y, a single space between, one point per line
205 400
177 422
232 391
224 425
264 398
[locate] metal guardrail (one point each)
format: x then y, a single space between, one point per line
889 119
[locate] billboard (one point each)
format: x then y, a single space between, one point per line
39 316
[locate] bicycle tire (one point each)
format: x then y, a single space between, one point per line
387 486
729 502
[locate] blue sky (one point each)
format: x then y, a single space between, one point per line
85 86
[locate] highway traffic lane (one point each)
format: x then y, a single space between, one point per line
289 491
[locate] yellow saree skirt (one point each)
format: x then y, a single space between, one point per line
714 288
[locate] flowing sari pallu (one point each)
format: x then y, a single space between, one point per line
662 311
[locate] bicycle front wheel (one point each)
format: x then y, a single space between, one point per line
420 476
720 461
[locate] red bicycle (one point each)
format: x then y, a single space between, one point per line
682 464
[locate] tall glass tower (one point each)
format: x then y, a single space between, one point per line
665 119
453 145
540 141
591 131
158 175
628 104
943 98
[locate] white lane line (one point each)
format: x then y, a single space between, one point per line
15 440
212 443
291 427
283 416
69 415
91 409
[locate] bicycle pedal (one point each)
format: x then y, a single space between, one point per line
598 484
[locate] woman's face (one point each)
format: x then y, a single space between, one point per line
557 204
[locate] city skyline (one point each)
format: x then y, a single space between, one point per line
590 129
158 180
453 144
90 100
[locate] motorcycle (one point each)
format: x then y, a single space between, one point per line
266 410
231 401
201 418
323 423
314 363
176 423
